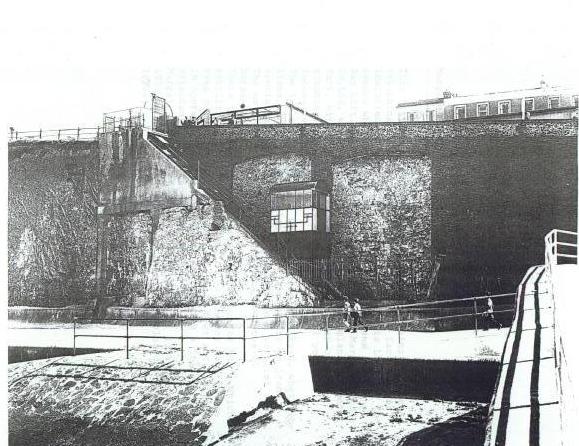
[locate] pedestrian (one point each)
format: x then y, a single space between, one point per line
489 315
346 314
357 316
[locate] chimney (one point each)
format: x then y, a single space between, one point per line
446 94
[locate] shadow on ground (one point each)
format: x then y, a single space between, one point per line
467 429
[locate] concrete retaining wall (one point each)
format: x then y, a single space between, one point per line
405 378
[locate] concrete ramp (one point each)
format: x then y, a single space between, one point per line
525 408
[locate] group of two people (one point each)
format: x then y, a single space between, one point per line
352 316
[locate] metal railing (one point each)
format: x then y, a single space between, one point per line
375 318
244 336
127 118
70 134
561 248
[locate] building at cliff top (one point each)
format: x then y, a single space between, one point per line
287 113
543 102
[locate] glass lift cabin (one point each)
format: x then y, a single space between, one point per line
300 216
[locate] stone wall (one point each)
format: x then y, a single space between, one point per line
181 257
381 213
52 194
497 187
253 179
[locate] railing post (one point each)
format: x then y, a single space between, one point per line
74 337
98 132
244 340
78 134
59 134
181 320
40 134
398 323
287 335
327 323
475 317
127 338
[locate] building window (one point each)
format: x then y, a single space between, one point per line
459 111
411 117
554 102
529 104
504 107
430 115
482 109
297 210
576 101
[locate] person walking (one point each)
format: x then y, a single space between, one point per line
346 314
490 316
357 316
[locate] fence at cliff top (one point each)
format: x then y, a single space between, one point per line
397 318
70 134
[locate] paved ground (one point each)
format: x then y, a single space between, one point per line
374 343
333 420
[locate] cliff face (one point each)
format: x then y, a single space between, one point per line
52 198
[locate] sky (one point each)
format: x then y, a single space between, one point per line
66 63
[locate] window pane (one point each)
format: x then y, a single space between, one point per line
553 102
327 202
274 221
529 105
327 221
307 198
308 214
315 219
504 107
299 199
299 215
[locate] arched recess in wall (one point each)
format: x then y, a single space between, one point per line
253 178
381 213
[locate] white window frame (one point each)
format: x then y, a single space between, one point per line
413 114
532 107
456 108
428 112
508 101
550 99
478 111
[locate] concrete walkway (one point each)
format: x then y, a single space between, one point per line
525 409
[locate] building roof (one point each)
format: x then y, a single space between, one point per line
320 185
421 102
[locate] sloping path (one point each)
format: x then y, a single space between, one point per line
525 409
